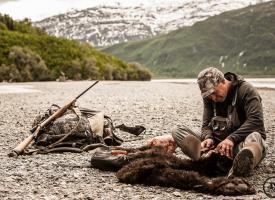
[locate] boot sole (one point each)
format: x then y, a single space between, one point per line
243 163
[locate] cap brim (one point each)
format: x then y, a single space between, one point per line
207 93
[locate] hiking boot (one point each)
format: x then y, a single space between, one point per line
246 160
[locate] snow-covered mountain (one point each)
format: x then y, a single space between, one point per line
110 24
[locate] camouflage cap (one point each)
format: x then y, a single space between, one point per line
208 79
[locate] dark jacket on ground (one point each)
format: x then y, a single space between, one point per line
248 106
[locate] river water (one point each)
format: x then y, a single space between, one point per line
17 88
257 82
6 88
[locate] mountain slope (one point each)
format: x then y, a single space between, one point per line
242 41
110 24
28 54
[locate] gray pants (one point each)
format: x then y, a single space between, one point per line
252 137
180 132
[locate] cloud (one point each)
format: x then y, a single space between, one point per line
33 9
5 1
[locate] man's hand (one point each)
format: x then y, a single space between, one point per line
166 142
225 147
207 144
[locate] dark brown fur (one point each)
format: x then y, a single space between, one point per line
213 165
155 167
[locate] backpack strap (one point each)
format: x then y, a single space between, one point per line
78 113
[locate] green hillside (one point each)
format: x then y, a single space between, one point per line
29 54
242 41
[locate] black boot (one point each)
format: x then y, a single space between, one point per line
104 158
136 130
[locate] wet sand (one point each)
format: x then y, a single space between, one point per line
158 106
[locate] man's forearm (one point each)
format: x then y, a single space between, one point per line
247 128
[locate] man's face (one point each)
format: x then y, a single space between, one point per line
220 93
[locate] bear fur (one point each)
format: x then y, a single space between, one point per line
153 166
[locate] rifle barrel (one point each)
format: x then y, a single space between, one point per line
86 90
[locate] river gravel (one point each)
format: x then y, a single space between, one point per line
155 105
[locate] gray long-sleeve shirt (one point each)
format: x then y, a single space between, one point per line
248 107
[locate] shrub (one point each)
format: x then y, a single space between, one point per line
30 65
9 73
108 72
90 70
138 72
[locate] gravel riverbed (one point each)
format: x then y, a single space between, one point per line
157 106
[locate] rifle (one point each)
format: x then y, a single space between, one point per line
19 149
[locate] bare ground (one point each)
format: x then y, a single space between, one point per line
157 106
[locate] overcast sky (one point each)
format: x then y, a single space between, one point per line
40 9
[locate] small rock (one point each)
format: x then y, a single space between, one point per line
177 194
242 187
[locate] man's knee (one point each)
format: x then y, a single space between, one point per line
176 135
174 132
257 138
188 141
180 132
253 137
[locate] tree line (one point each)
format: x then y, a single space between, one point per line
27 53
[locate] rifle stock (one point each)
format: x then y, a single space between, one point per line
19 149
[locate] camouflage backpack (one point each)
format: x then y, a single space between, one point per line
73 129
